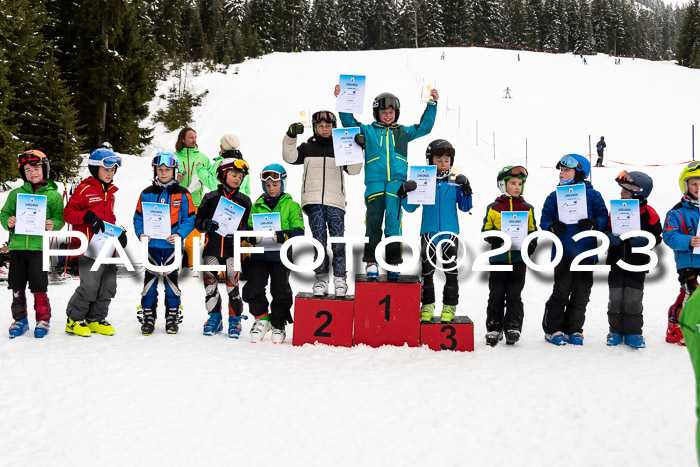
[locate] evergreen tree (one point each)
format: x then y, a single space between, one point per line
486 21
430 30
533 15
688 46
456 21
383 22
167 21
195 36
514 28
323 26
353 16
10 24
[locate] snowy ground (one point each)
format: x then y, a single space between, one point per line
189 399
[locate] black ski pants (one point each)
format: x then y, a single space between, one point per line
505 288
566 308
625 302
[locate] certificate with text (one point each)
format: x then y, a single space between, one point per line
156 220
425 177
271 222
30 214
228 215
571 203
97 242
352 94
624 216
346 150
515 225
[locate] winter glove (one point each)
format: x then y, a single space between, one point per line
122 238
361 140
96 224
587 224
408 185
614 239
495 241
558 228
637 241
532 247
463 181
210 225
280 236
295 129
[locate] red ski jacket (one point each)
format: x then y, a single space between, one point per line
90 195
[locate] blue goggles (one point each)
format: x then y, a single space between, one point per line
570 162
165 158
107 162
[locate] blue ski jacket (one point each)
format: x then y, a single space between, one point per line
681 224
442 216
181 211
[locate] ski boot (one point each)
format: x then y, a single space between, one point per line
147 318
19 327
575 338
635 341
448 313
613 338
393 275
492 337
278 336
213 324
426 312
320 287
512 336
79 328
234 326
259 329
101 327
557 338
341 286
173 318
674 335
41 329
372 271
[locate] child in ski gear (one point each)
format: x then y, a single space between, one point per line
228 149
600 147
386 167
505 287
26 250
565 311
163 190
268 265
322 193
627 287
219 249
439 229
89 207
195 174
680 233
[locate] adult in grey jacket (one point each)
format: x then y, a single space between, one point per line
322 193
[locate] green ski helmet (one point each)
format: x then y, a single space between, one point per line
509 172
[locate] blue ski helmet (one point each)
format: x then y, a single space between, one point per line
167 159
103 158
578 163
274 172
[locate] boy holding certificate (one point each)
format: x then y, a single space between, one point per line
164 211
386 167
274 210
574 207
91 206
439 229
222 212
627 287
38 206
322 192
681 234
512 215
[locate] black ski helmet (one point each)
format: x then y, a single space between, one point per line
323 116
637 183
383 101
439 147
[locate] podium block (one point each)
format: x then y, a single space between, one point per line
326 320
457 335
387 312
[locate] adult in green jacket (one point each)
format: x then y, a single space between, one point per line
690 322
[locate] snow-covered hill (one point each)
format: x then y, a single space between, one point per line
189 399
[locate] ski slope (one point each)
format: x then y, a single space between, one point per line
190 399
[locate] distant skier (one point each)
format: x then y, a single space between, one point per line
518 57
442 57
584 61
507 90
600 148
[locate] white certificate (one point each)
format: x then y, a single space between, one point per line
30 214
571 203
624 216
156 220
97 242
352 94
271 222
515 225
228 215
425 177
346 150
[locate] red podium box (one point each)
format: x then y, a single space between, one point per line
326 320
387 312
457 335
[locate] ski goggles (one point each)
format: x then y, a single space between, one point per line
31 158
239 164
324 116
387 103
271 175
165 158
624 179
108 162
517 171
439 152
568 161
695 165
